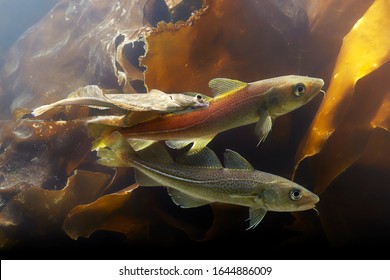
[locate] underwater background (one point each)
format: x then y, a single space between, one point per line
56 201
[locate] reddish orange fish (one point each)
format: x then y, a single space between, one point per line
234 103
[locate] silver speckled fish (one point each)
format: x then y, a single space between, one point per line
200 179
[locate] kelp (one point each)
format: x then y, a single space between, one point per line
102 214
185 56
357 59
124 47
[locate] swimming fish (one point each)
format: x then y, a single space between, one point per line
155 100
234 104
200 179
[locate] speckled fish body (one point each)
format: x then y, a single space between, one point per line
235 104
200 179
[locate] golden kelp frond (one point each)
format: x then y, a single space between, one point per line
47 209
329 22
357 59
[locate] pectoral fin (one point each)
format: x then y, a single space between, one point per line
185 200
255 216
263 126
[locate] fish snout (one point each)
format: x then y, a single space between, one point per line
317 85
310 201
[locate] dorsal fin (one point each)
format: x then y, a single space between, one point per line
204 158
223 85
156 92
234 160
155 152
87 91
185 200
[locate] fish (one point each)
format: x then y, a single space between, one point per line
234 103
200 179
155 100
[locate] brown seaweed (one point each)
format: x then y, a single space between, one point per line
36 211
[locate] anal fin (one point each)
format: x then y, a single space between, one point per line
185 200
198 143
144 180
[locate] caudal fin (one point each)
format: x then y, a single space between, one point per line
99 132
117 152
41 110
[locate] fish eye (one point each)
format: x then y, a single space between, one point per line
299 89
295 194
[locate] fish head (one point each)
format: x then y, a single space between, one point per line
191 99
287 196
291 92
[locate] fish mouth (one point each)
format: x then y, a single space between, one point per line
306 207
317 86
201 105
310 202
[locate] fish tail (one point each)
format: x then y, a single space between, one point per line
99 132
41 110
117 152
